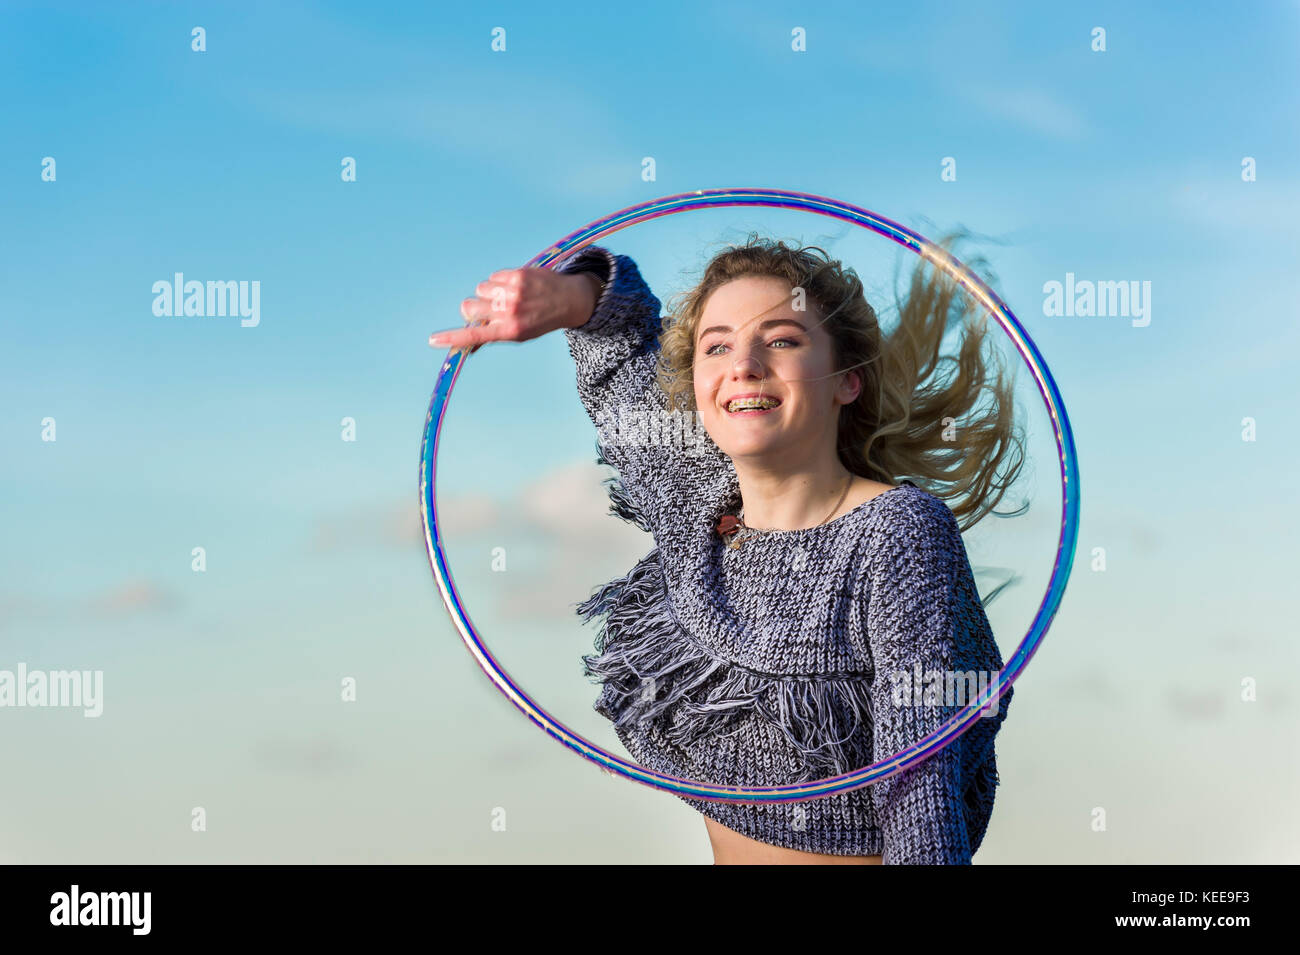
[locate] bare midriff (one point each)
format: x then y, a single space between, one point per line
732 848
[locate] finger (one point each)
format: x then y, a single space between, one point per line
471 336
476 309
508 277
496 295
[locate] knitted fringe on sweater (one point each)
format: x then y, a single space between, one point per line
652 669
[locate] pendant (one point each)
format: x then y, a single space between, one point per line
729 525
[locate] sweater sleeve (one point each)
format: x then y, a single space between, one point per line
924 613
666 462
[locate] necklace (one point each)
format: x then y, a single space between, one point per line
730 525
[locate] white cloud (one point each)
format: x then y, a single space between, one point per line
1032 108
489 127
1226 202
120 601
566 510
129 598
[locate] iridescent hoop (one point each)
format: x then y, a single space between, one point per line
959 723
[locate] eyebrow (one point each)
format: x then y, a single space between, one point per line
767 324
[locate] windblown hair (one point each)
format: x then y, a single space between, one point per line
908 421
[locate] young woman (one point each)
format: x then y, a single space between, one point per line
789 623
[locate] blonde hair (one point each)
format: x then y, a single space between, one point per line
899 425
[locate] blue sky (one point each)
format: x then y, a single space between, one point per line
174 433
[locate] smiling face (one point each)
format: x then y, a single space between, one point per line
751 341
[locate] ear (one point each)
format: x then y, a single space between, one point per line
850 387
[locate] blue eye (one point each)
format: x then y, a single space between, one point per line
791 341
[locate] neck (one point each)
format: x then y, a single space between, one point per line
792 500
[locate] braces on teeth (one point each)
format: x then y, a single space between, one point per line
743 403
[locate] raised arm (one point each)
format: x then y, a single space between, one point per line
924 613
667 465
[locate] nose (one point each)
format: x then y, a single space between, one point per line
746 365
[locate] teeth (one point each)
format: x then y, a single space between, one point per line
742 404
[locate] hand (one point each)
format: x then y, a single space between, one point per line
517 305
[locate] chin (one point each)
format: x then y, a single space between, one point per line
747 449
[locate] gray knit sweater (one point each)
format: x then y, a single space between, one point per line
771 664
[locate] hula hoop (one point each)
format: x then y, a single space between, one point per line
954 727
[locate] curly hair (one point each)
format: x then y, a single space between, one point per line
907 421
